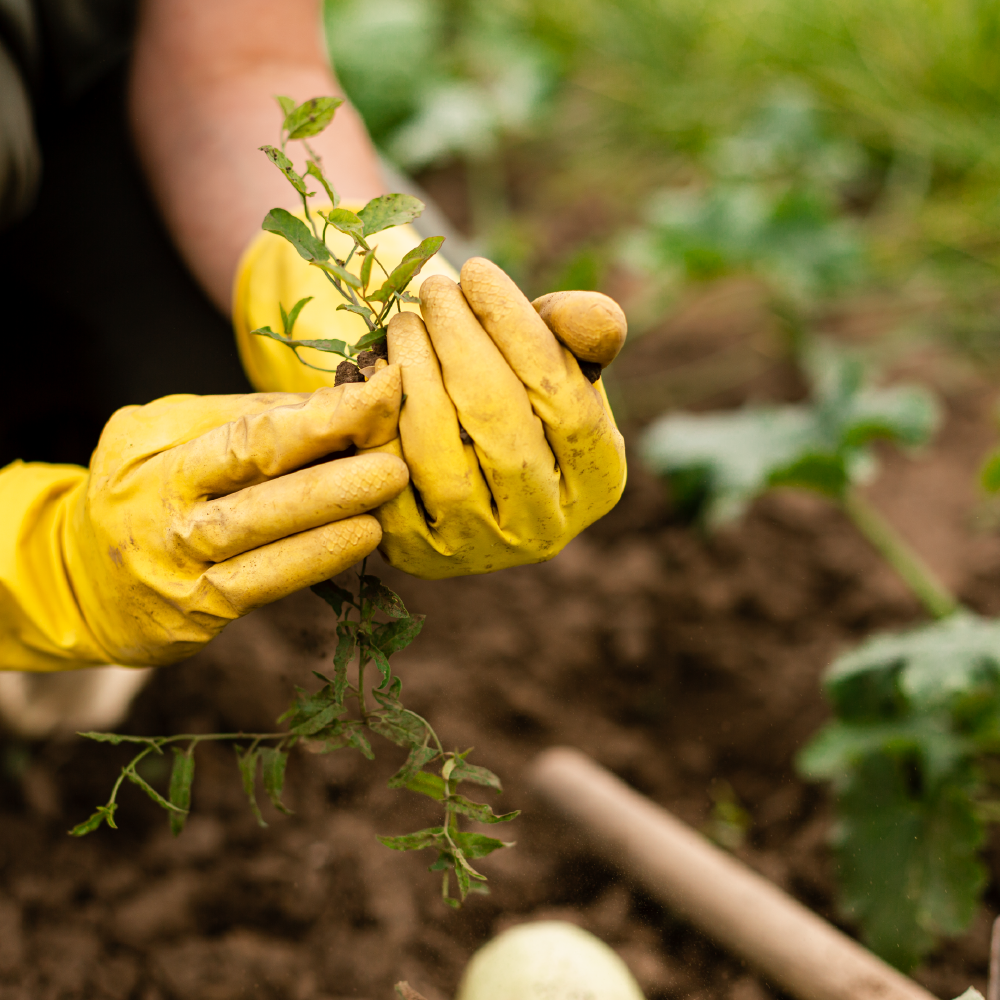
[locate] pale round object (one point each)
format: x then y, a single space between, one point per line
549 960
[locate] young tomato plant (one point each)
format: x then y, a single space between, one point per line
324 719
911 750
363 294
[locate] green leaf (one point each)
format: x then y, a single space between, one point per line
137 779
104 814
388 210
286 104
909 867
288 319
475 774
247 762
181 777
362 311
340 272
366 268
372 589
478 845
391 637
433 836
285 165
273 764
372 337
315 170
346 222
407 269
335 596
990 474
115 738
418 758
479 810
381 661
311 117
430 785
293 229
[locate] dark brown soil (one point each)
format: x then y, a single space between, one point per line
677 661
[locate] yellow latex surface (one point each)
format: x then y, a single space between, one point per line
195 510
546 458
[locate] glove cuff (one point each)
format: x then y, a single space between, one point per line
42 627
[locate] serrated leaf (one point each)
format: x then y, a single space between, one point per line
391 637
479 811
247 762
285 165
433 836
104 814
375 591
418 758
293 229
311 117
335 596
390 210
273 763
345 222
475 774
181 777
313 169
478 845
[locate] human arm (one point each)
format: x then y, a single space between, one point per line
203 81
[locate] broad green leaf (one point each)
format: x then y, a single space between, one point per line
289 319
286 104
285 165
390 210
418 758
335 596
313 169
273 764
247 762
479 810
909 866
478 845
372 337
311 117
293 229
408 268
433 836
314 723
475 774
430 785
346 222
104 814
181 777
390 637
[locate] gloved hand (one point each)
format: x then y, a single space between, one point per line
542 458
547 459
191 515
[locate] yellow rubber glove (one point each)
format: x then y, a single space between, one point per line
543 458
548 459
191 515
272 272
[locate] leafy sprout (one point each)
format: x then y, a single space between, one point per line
370 299
323 720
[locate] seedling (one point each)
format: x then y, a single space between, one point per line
359 292
917 713
324 719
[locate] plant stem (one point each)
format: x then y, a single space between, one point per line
898 553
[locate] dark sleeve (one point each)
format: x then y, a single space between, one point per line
20 160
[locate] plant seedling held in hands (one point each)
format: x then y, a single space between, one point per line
364 294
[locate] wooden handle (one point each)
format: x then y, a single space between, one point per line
590 324
792 946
